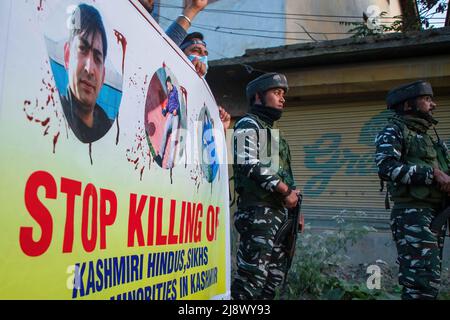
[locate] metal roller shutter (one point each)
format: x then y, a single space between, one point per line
332 149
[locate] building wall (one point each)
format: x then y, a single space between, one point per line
331 120
334 110
332 115
327 25
230 34
332 149
221 43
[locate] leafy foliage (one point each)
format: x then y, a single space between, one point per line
316 255
429 8
372 26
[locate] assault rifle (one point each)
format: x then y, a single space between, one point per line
295 225
441 219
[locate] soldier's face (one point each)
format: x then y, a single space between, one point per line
425 104
275 98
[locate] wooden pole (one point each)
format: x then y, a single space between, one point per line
411 19
447 20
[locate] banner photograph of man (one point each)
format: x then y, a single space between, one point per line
85 70
165 116
84 59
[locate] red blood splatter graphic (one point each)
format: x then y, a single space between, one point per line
123 41
118 129
40 6
29 117
133 81
45 123
139 154
185 95
51 92
55 141
90 153
196 176
44 110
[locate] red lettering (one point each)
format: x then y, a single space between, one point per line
107 196
173 239
160 238
190 222
210 224
198 223
89 196
193 227
183 214
134 220
73 189
39 213
217 222
91 222
151 221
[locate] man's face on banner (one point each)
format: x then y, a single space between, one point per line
85 63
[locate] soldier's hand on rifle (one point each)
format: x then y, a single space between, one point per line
442 179
290 197
291 200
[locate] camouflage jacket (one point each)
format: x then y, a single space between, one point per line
405 157
261 160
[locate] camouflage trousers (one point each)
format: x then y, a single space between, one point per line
419 252
261 263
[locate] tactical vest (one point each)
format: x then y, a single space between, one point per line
250 191
418 149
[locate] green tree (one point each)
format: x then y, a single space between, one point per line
371 26
428 9
417 15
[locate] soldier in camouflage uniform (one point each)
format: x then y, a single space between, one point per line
266 191
415 167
